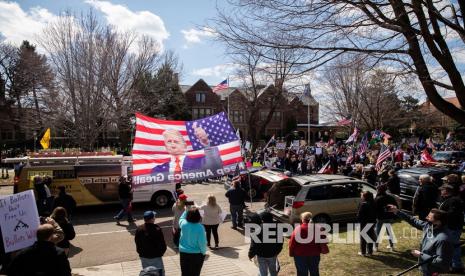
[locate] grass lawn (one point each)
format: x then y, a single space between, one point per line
343 259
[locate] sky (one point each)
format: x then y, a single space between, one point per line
175 24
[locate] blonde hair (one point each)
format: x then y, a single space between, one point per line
211 200
173 132
306 216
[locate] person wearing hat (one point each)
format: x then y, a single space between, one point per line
453 180
453 206
66 201
178 209
150 242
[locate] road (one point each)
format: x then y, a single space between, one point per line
99 240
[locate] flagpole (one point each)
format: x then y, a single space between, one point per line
229 118
308 122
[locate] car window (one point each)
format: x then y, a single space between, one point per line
343 191
366 188
317 193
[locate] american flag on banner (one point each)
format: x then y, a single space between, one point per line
192 150
221 86
362 148
384 154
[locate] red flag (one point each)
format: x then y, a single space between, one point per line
426 158
326 169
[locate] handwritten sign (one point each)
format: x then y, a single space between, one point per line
281 145
19 220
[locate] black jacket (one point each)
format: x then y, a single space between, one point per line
236 196
69 232
425 198
66 201
454 207
42 258
266 250
381 202
150 242
393 185
124 191
366 213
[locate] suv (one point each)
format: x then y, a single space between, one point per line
449 156
330 198
409 180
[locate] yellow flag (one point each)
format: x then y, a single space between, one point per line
45 141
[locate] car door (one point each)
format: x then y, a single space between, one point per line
343 198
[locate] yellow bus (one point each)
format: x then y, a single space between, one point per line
91 180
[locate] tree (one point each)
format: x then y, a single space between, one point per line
366 95
97 69
409 37
160 94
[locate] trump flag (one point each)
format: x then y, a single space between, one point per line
178 151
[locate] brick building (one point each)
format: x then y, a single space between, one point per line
291 109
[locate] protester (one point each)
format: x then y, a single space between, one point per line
357 172
47 181
59 214
384 218
41 194
453 206
66 201
393 183
306 255
367 218
211 219
193 243
178 210
236 196
125 197
266 250
436 248
150 242
42 258
425 197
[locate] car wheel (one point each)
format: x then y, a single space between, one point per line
321 219
162 200
252 193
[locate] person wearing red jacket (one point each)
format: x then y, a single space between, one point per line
306 255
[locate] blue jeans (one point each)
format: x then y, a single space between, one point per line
155 262
125 205
268 264
307 264
455 239
237 214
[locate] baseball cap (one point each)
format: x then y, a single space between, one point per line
451 178
149 215
182 197
446 187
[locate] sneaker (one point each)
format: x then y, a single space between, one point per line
391 248
375 248
234 227
117 219
132 220
216 246
360 254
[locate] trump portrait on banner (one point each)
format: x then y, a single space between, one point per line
177 148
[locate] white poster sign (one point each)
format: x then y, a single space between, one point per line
19 220
295 144
281 145
318 151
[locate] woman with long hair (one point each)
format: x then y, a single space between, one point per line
192 244
211 219
60 215
367 218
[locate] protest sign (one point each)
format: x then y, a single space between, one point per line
19 220
318 151
281 145
295 144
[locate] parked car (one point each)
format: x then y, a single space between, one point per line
261 179
449 156
330 198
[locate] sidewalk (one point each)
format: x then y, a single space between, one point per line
226 261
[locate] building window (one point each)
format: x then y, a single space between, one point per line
236 116
277 116
263 115
198 113
200 97
6 134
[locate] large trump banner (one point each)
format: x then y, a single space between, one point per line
179 151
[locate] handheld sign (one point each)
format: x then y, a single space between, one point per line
19 220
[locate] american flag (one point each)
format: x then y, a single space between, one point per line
362 148
149 147
353 138
221 86
384 153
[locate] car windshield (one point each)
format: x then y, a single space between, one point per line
441 155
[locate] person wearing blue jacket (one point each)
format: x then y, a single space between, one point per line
192 243
436 247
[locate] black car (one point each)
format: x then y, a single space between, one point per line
409 180
449 156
